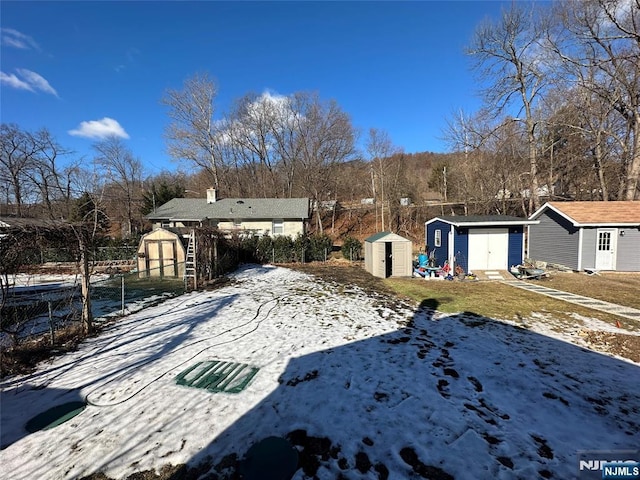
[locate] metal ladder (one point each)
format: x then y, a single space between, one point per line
190 260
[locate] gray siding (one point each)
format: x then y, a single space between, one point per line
589 243
554 240
628 254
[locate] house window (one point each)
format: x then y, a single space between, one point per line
237 223
165 224
437 238
278 227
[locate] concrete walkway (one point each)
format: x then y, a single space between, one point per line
626 312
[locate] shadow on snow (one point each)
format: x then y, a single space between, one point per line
459 397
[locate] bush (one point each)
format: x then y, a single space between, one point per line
282 249
319 247
264 250
352 249
300 248
248 249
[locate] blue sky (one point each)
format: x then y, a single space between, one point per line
88 68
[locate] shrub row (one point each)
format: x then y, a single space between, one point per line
302 249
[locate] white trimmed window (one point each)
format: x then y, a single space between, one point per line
278 227
237 223
437 238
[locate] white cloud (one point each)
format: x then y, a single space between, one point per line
37 81
27 80
99 129
14 38
14 82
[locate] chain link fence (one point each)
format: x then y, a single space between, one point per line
29 309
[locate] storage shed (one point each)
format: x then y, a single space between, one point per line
387 254
587 235
477 242
161 253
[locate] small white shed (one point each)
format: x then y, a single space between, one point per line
161 254
387 254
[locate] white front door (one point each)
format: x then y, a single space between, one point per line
606 248
488 249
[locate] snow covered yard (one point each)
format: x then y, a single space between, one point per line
365 386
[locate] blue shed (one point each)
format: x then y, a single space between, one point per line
477 242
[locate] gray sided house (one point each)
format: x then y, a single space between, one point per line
245 216
477 242
387 254
587 235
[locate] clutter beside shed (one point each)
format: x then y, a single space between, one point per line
387 254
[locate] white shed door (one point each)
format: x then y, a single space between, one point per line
401 259
488 248
379 267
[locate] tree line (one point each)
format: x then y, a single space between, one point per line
560 120
561 114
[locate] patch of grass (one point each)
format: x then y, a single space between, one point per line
483 298
489 299
621 288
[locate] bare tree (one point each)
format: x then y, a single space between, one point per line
326 138
490 170
253 124
191 134
600 51
32 172
379 149
16 158
124 172
511 58
582 142
54 182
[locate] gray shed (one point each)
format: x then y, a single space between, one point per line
388 255
587 235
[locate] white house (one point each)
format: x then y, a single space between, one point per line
245 216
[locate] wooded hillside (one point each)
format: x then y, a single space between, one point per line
560 121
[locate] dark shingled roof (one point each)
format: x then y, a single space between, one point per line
483 220
231 208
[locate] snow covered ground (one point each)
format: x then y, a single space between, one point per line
411 393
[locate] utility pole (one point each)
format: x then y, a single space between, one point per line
444 175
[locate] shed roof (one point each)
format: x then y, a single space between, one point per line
231 208
387 237
595 213
481 220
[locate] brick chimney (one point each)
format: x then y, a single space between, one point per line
211 195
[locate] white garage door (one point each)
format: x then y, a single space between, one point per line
488 249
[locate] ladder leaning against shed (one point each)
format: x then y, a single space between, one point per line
190 259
